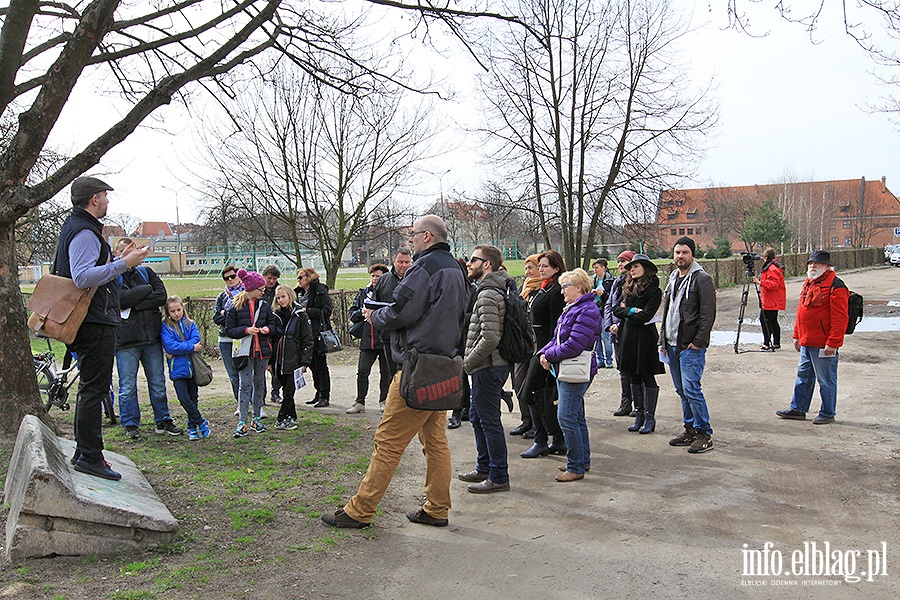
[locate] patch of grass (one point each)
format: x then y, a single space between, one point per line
131 595
139 567
246 517
322 543
248 539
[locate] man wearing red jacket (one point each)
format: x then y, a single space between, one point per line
818 333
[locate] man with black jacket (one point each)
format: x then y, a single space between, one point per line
138 343
427 314
384 292
83 255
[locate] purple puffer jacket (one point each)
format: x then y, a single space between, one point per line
578 328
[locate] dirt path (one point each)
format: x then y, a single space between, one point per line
651 520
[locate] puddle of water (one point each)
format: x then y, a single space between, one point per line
754 336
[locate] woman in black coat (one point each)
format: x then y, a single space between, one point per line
540 385
639 339
315 301
293 350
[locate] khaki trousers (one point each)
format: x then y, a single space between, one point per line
398 426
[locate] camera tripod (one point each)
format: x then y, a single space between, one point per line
745 292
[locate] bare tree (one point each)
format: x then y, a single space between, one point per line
591 108
310 165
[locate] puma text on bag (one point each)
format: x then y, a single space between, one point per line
58 308
431 381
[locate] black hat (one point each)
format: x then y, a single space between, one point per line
686 241
644 260
85 187
820 256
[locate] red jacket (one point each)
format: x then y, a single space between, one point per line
771 283
822 312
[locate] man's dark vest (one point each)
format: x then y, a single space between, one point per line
104 308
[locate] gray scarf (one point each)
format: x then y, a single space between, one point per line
673 316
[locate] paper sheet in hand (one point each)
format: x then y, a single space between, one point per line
299 379
375 304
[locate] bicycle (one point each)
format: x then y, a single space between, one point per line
54 384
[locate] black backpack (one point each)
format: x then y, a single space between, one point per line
854 307
517 341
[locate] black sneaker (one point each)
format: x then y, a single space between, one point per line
132 433
343 520
820 420
97 469
420 516
168 427
791 414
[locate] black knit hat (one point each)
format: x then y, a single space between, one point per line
686 241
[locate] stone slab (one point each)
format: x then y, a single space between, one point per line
55 510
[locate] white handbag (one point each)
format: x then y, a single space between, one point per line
576 369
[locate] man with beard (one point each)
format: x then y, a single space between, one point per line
818 333
689 311
384 292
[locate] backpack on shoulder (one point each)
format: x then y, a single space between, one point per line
517 341
854 306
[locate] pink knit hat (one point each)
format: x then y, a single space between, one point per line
251 280
627 255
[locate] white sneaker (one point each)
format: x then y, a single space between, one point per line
356 408
262 413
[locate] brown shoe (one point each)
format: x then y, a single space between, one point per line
686 438
472 476
702 443
488 487
563 468
422 517
569 476
343 520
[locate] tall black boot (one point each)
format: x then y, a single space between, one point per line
624 407
651 396
637 395
625 383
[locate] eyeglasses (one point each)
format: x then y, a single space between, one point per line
229 277
299 277
415 233
566 285
474 258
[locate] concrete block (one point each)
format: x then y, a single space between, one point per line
55 510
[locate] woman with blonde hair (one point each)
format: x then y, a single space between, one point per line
577 332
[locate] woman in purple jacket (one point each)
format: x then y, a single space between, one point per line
577 331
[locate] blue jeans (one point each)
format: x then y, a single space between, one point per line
150 356
484 414
574 427
187 392
812 368
225 350
687 370
252 392
604 349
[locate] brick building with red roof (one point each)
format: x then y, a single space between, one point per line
821 214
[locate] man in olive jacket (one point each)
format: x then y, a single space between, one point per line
138 343
489 371
688 314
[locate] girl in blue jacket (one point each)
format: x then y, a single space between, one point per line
181 338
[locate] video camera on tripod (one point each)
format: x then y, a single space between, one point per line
749 258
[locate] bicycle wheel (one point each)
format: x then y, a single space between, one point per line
45 379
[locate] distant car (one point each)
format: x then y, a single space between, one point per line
888 250
895 258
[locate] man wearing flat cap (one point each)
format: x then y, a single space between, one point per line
83 255
818 333
689 311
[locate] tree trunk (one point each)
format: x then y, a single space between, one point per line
18 385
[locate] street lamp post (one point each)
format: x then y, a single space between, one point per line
178 224
441 189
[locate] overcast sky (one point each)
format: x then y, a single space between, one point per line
786 105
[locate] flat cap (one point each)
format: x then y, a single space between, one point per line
88 186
